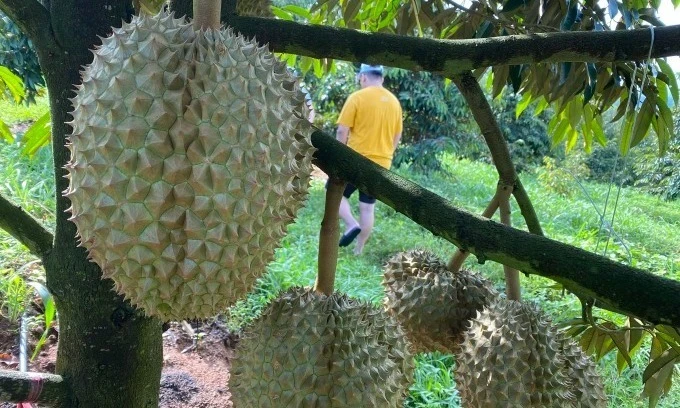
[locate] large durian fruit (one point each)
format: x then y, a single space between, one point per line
257 8
512 356
190 154
432 304
313 350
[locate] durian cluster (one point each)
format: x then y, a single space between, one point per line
190 154
432 304
313 350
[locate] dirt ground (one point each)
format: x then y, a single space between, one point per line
196 360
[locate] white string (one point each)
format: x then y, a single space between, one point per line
629 141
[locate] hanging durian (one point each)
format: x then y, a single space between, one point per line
313 350
511 357
433 305
586 382
190 154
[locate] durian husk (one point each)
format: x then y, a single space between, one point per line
511 357
433 305
190 155
312 350
585 381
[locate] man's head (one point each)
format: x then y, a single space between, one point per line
370 75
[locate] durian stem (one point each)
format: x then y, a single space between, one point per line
512 287
459 257
207 14
329 237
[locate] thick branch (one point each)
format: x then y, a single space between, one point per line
45 389
616 287
449 57
25 228
32 18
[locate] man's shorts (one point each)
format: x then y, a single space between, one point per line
363 197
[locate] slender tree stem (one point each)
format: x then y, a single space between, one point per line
526 208
512 284
450 57
328 238
207 14
617 287
48 389
25 228
459 257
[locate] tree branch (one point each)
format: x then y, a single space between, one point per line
449 57
328 238
25 228
48 389
32 18
616 287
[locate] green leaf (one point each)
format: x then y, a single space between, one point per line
665 127
642 121
673 81
5 132
12 83
38 135
523 104
540 106
587 128
560 133
49 314
627 132
281 13
574 112
598 132
297 10
655 376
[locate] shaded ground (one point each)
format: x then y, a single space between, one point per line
196 360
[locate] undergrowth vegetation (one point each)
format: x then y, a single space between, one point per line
645 235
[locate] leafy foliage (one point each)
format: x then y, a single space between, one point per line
17 54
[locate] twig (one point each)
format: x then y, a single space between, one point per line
25 228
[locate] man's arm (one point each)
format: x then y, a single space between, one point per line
397 138
342 134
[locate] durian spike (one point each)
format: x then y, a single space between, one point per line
328 238
207 14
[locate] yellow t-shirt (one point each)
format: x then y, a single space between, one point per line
373 116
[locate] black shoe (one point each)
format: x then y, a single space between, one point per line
347 238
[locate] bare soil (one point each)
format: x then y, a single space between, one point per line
196 361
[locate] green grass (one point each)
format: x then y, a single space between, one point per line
648 226
11 113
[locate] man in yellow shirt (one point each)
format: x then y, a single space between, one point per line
371 124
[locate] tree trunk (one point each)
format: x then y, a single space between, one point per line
109 353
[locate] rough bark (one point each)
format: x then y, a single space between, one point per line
26 229
328 238
616 287
450 57
109 352
45 389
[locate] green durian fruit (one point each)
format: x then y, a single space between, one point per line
511 357
312 350
190 155
432 304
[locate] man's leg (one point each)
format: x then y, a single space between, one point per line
345 213
366 220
